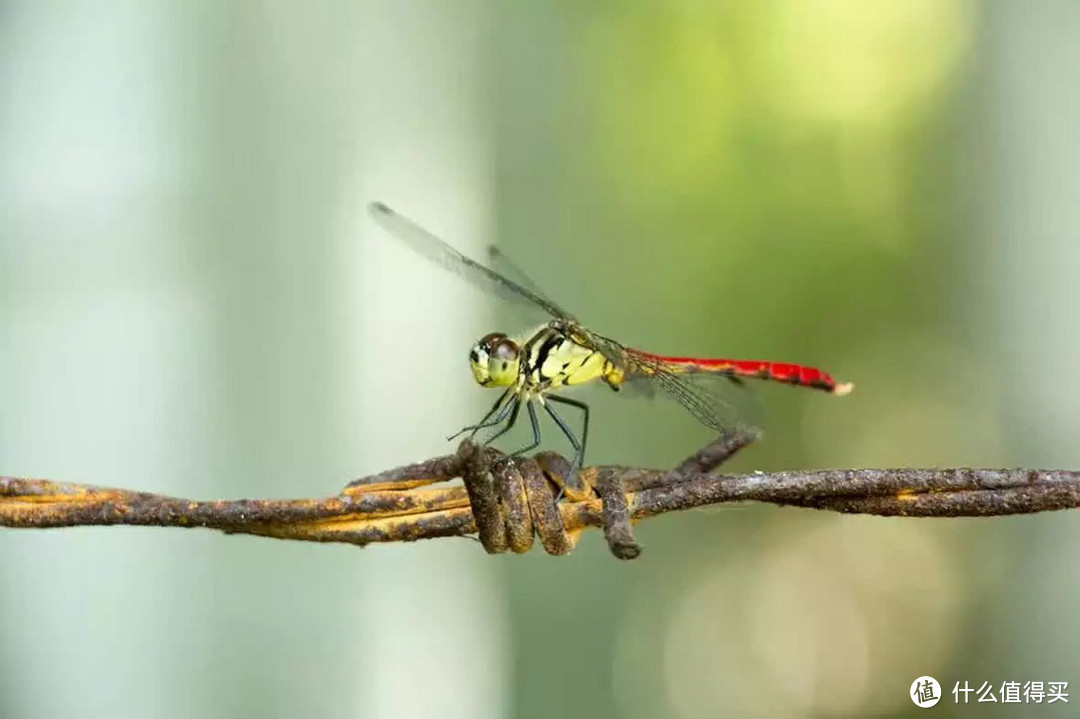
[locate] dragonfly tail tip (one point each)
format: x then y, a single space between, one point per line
843 388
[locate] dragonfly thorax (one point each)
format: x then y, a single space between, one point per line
495 360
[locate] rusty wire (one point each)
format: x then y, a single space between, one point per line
508 503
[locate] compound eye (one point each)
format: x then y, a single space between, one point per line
488 342
505 349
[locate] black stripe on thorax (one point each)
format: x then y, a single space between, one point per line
549 343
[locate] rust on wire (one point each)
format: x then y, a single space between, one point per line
508 503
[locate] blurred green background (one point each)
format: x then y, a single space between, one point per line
193 301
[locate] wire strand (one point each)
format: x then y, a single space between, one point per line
509 503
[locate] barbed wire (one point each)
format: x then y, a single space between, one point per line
509 503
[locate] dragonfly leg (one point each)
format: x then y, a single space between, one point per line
579 447
509 423
484 423
580 458
535 422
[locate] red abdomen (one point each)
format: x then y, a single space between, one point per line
757 369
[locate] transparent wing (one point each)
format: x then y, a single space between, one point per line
718 401
428 245
508 268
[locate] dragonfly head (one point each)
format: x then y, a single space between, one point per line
495 360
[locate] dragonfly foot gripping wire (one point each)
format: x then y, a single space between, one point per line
513 500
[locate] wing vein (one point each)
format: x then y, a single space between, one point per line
434 249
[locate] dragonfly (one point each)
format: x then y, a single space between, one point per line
532 368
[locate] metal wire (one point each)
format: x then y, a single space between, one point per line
508 503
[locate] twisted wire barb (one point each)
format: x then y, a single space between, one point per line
508 503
